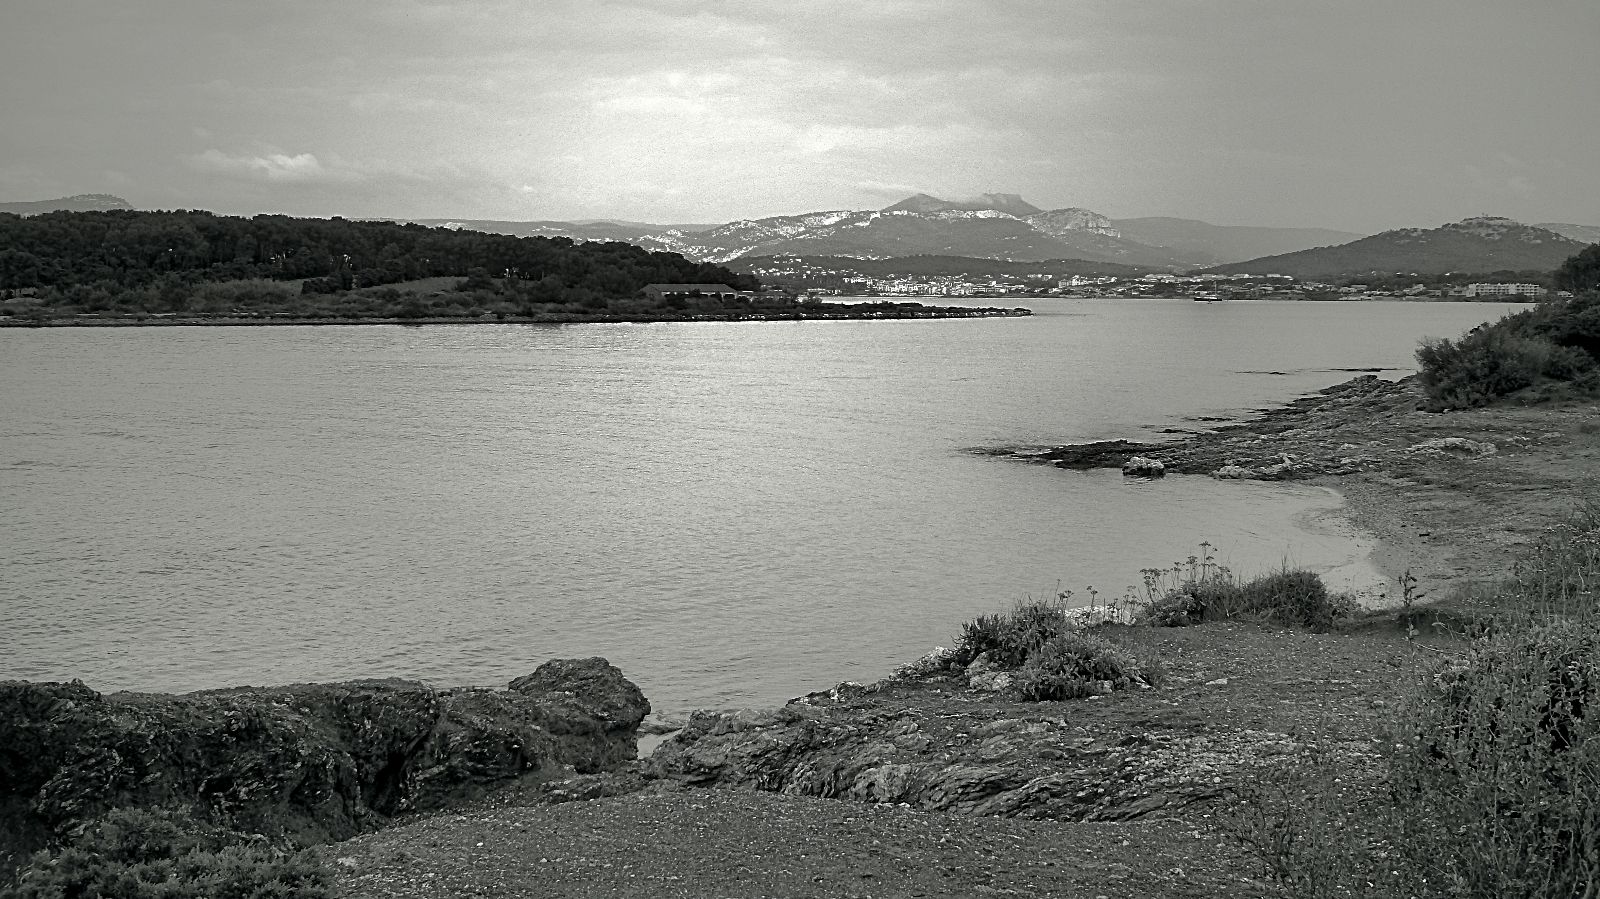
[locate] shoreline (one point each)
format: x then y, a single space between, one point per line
926 312
1447 496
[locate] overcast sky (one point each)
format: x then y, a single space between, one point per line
1354 114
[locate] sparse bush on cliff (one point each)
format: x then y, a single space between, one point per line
160 854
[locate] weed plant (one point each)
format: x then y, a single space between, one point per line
1491 785
159 854
1199 590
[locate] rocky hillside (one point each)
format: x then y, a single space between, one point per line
591 229
995 226
1212 244
78 203
1584 233
1483 244
992 226
1010 204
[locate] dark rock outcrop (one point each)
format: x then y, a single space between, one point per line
307 762
1331 432
901 744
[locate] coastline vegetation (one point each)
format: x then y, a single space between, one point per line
1489 785
1054 652
153 853
126 264
1548 352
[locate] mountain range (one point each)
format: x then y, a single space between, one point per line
79 203
1482 244
1006 228
992 226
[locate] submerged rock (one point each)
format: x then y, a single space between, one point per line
310 762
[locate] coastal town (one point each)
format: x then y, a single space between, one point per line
836 277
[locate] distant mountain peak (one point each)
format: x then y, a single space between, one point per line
75 203
1485 243
1010 204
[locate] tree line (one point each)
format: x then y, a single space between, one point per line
169 253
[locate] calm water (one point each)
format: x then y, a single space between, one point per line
732 513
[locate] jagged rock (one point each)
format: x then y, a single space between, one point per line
1280 470
991 681
1091 616
1144 467
939 660
312 762
1102 454
1453 446
1231 472
1028 767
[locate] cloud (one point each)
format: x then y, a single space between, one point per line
271 167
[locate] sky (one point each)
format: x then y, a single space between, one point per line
1360 115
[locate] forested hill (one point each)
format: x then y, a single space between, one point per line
107 251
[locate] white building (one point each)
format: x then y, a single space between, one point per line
1504 290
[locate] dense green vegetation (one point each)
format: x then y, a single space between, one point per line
1547 352
195 263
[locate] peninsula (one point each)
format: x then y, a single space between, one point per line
120 267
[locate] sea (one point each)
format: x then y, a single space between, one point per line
732 513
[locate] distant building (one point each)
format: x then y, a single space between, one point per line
659 292
1504 290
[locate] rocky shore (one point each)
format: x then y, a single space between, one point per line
312 763
1450 496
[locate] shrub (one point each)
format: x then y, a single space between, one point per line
1294 597
1498 787
1560 572
159 854
1557 342
1010 638
1192 603
1481 367
1074 664
1290 596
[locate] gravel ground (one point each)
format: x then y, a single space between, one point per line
715 842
